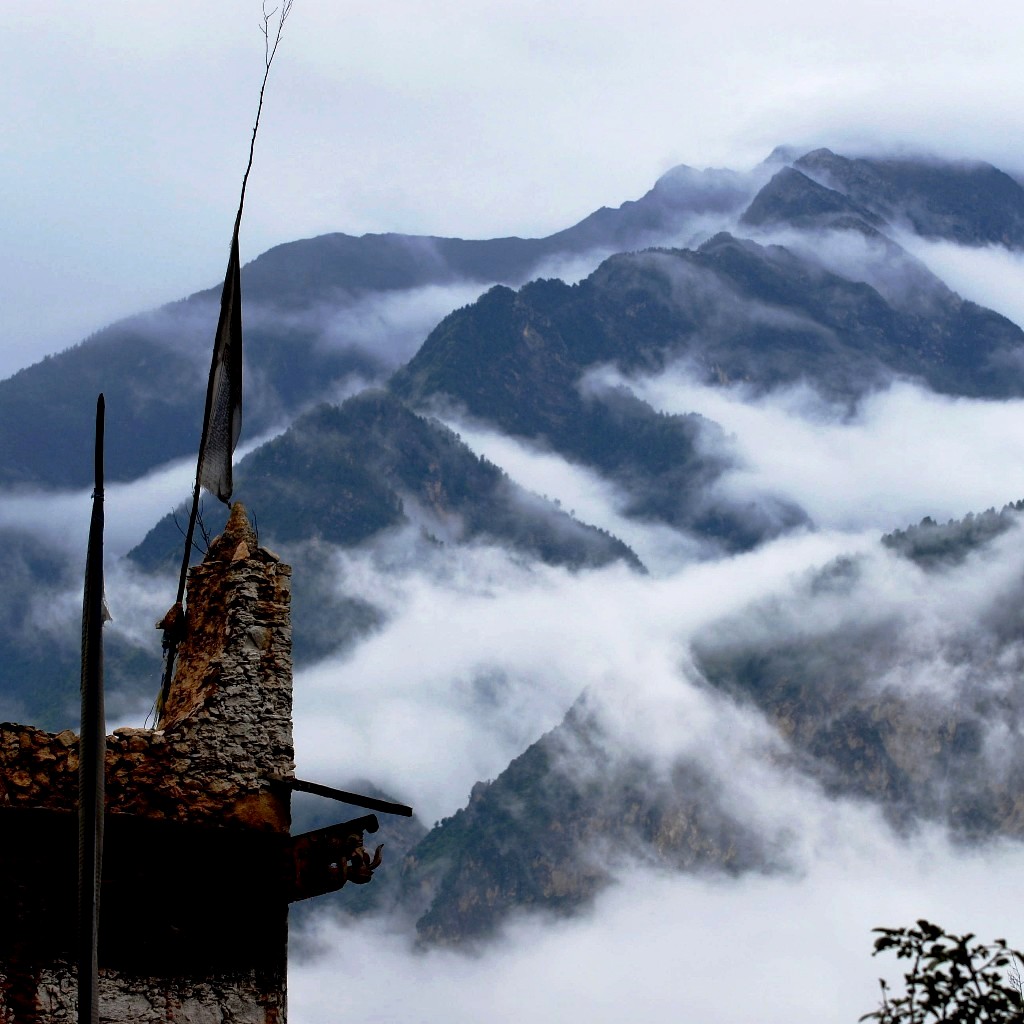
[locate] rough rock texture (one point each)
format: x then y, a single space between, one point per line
195 826
226 725
240 1000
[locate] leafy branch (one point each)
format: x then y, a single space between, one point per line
952 978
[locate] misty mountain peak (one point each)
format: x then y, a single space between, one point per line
793 198
712 190
397 527
971 203
780 155
346 473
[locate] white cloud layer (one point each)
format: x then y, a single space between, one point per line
503 119
582 493
906 453
789 948
991 276
390 326
481 653
130 509
758 950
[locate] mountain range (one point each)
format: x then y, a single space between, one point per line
798 274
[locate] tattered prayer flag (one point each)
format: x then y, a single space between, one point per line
222 422
222 419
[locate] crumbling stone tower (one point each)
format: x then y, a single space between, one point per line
199 866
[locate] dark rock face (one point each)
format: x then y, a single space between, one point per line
969 203
917 759
844 337
342 474
343 264
153 370
572 812
153 367
793 198
733 310
736 310
556 826
518 362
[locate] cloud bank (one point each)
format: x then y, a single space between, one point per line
758 950
906 452
510 644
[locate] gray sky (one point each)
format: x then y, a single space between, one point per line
126 124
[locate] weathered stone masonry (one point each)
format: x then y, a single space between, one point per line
197 868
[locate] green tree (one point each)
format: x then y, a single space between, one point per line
951 978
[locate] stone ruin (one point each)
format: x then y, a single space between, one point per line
199 865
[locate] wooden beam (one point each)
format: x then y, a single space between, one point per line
341 795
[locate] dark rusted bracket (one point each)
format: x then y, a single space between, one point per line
325 859
369 802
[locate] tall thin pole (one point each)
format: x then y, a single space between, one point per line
222 410
91 753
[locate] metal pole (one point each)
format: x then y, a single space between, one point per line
91 753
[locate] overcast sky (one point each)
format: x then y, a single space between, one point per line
126 124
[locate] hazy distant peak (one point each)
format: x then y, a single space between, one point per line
781 155
792 197
968 202
822 153
726 240
712 190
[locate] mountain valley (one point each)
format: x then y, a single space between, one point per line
605 710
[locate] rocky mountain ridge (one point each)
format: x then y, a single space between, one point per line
834 669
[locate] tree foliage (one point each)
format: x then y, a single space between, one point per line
951 978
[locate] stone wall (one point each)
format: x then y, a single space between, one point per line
226 724
200 825
236 998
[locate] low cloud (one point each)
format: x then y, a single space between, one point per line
583 493
894 269
129 510
904 454
44 603
511 644
479 652
466 663
789 949
388 326
988 275
482 652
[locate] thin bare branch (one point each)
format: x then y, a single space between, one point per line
269 52
202 529
193 545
